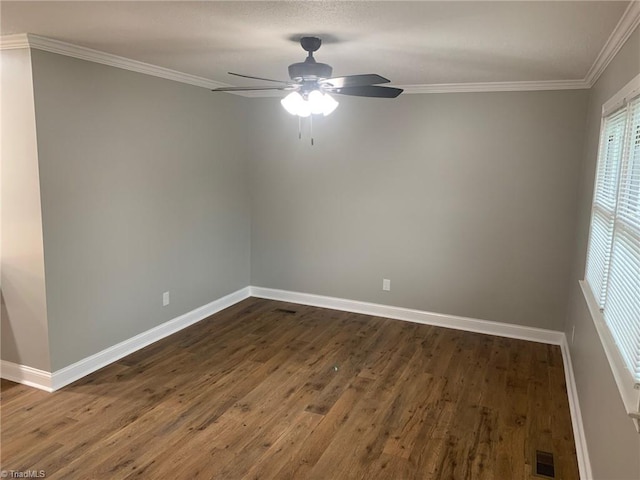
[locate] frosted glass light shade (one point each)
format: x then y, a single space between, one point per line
330 104
292 102
316 102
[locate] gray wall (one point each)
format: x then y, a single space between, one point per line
614 444
24 327
143 191
465 201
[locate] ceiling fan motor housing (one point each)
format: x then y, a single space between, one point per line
309 71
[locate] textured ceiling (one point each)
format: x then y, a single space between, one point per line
412 43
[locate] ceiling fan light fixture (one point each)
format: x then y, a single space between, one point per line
317 103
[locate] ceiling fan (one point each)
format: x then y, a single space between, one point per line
311 83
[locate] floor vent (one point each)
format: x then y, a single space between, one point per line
284 310
544 465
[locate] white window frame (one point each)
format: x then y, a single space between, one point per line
627 385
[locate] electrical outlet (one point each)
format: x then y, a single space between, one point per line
386 284
165 299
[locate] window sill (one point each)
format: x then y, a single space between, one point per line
629 390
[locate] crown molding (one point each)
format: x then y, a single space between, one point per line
624 28
12 42
496 86
626 25
28 40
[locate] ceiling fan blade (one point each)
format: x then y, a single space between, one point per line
260 78
241 89
354 80
368 91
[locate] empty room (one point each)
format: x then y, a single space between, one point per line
320 240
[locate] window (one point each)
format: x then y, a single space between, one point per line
613 257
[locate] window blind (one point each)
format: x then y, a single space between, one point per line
613 261
604 203
622 304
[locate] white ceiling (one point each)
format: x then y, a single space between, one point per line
412 43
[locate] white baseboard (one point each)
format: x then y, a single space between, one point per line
418 316
84 367
26 375
584 465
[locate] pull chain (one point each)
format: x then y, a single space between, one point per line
310 128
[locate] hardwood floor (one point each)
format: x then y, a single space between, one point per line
268 389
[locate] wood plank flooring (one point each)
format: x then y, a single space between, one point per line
271 390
